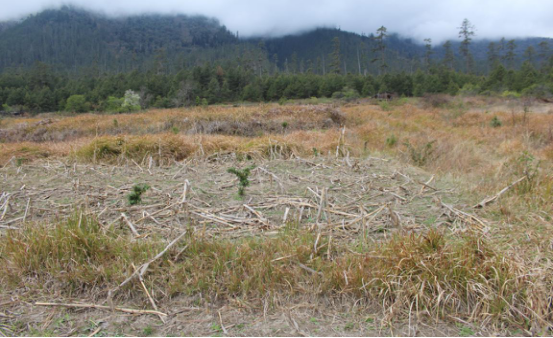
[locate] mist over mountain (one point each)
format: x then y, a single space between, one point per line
76 60
70 39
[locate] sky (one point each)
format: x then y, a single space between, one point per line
417 19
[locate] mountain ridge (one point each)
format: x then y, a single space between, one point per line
71 39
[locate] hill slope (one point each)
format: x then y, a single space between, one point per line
71 39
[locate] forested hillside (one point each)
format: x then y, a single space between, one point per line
71 59
71 39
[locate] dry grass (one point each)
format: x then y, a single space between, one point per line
76 254
428 274
501 276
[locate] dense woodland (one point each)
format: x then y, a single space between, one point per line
69 59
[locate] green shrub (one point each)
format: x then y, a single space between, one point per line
347 94
242 177
113 105
495 122
469 89
131 101
77 104
510 95
135 197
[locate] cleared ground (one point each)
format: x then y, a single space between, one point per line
411 220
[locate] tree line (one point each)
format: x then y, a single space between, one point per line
251 76
41 90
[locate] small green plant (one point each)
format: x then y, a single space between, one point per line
19 161
115 123
391 140
175 130
315 152
242 177
349 326
284 125
282 101
465 331
216 327
148 331
135 197
495 122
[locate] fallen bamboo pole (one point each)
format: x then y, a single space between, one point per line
103 307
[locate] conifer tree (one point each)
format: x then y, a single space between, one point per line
449 57
336 63
428 52
466 31
380 49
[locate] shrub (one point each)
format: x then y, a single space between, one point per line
541 91
113 105
347 94
495 122
242 177
469 89
131 101
135 197
77 104
510 95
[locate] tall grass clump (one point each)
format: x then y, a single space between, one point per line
74 254
250 267
420 155
163 148
431 273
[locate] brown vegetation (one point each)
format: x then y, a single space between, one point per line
426 253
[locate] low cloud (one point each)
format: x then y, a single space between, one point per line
420 19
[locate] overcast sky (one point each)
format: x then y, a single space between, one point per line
419 19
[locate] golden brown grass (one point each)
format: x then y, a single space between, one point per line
504 275
461 144
431 274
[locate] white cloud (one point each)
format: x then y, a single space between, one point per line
419 19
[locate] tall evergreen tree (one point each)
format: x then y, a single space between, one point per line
336 63
529 54
493 56
380 49
428 52
544 52
466 31
449 57
510 54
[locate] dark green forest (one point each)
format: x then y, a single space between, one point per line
71 59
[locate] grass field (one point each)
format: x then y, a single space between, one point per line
411 217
